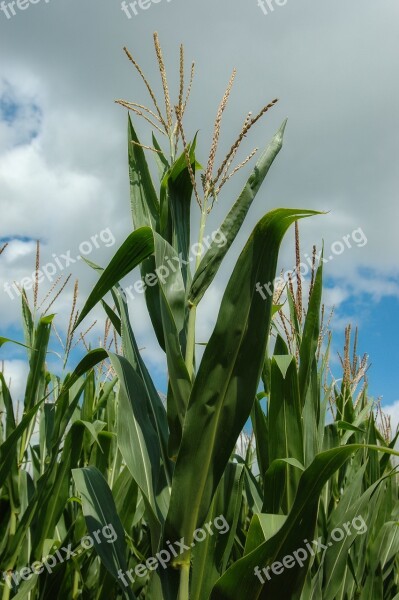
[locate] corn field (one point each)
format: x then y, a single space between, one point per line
258 474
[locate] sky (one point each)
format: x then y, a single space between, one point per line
63 165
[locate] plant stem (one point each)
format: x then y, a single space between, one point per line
184 587
13 521
172 148
13 529
75 590
190 348
6 591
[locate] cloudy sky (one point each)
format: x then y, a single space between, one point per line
63 176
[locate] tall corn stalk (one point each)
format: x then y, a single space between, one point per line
111 452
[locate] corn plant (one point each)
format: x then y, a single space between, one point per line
112 452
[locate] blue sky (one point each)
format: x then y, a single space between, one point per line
375 313
14 110
378 335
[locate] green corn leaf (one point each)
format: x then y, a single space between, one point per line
10 418
385 546
155 406
143 198
261 433
353 504
285 426
4 340
252 491
7 452
99 511
210 557
115 320
310 338
180 384
26 587
373 467
37 370
160 158
262 528
90 360
384 463
225 387
170 279
349 427
125 491
86 413
131 352
55 489
172 300
7 448
277 478
180 193
176 189
300 525
145 209
64 410
311 415
373 587
27 322
46 430
137 439
10 469
138 246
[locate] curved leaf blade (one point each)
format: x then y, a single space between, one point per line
99 512
138 246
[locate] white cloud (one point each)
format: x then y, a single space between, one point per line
18 249
393 411
15 374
